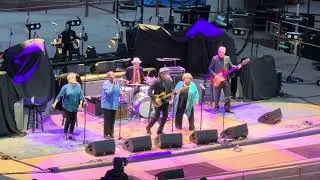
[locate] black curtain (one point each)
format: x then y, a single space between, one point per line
259 78
9 94
195 53
28 66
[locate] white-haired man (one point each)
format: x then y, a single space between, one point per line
134 73
221 62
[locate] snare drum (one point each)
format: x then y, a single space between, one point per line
141 104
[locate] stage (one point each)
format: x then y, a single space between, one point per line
299 119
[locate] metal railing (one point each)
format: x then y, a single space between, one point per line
264 170
64 4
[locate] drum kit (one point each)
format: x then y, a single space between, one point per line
137 96
141 102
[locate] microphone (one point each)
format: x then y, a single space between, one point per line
53 23
150 19
202 87
11 32
117 20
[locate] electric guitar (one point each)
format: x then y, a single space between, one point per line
163 97
218 79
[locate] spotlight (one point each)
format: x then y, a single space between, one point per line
293 35
129 24
239 31
74 22
181 26
33 26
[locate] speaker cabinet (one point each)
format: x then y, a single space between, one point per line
136 144
100 148
240 131
169 141
272 117
171 174
204 136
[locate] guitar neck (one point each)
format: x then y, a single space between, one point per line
230 71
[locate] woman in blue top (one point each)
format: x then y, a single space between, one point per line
72 99
110 103
185 101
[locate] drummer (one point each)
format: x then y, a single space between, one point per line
134 74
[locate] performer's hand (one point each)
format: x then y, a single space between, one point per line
80 107
54 105
239 66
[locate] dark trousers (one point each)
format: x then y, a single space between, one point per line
109 118
164 110
71 118
179 117
234 83
227 92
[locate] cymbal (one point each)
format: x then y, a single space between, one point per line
168 59
136 84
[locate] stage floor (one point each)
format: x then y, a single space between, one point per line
51 140
36 152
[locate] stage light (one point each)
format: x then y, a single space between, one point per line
239 31
129 24
33 26
293 35
181 26
74 22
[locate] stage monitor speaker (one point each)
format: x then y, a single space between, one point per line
170 174
136 144
169 141
272 117
204 136
100 148
236 132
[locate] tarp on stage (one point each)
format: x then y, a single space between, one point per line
194 46
9 94
259 79
28 65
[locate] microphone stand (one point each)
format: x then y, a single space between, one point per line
201 108
120 114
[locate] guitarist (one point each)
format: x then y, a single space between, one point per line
218 63
163 84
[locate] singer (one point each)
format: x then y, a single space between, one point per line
72 99
185 100
110 103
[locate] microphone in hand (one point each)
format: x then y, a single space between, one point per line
202 86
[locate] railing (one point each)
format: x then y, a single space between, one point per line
267 170
65 4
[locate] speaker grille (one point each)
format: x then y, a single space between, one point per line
169 141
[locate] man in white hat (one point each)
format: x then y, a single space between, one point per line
163 84
134 73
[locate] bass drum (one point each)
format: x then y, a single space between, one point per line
141 104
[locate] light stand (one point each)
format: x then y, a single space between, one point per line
10 37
